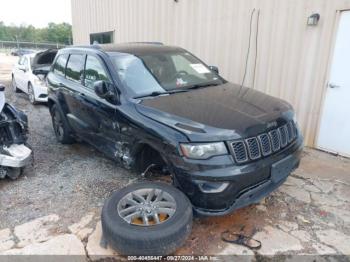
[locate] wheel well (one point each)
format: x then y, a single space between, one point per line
146 156
50 103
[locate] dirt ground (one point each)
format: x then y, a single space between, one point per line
68 184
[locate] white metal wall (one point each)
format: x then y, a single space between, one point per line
292 59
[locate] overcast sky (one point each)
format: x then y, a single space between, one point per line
35 12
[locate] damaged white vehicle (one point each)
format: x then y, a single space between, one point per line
28 74
14 152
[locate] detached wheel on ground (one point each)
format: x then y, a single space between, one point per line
148 218
60 127
31 94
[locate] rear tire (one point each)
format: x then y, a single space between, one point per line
162 237
60 126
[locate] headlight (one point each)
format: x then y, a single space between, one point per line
295 118
203 151
39 82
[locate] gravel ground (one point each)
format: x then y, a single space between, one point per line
69 180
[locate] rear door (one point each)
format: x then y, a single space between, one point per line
73 93
56 77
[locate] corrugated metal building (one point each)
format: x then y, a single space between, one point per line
287 57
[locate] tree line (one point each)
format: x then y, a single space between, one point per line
53 33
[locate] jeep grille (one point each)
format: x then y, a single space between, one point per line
254 148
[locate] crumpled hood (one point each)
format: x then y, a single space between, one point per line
223 112
44 59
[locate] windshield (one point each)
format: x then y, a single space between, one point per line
162 72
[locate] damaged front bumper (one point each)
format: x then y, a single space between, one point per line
241 185
15 156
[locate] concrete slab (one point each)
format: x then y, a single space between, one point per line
36 231
336 239
302 235
67 244
322 249
325 200
275 240
94 248
6 240
342 214
298 193
287 226
238 250
80 229
294 181
325 186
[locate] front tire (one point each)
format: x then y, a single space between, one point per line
60 127
135 223
31 94
14 85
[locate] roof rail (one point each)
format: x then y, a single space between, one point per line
86 46
146 43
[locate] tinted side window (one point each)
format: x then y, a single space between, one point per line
94 71
60 65
75 67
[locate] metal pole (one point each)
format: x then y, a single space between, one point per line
17 41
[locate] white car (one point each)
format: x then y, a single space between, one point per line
28 74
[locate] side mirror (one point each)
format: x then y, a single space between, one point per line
215 69
41 71
22 67
105 90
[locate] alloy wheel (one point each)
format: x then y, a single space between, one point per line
147 207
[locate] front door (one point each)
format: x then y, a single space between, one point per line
334 133
99 114
19 73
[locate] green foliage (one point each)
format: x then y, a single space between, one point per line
55 33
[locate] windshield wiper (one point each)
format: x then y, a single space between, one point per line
197 86
157 93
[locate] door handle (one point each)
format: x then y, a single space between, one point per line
332 85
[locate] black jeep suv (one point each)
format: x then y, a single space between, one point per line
226 146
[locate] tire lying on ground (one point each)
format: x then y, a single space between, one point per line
146 219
